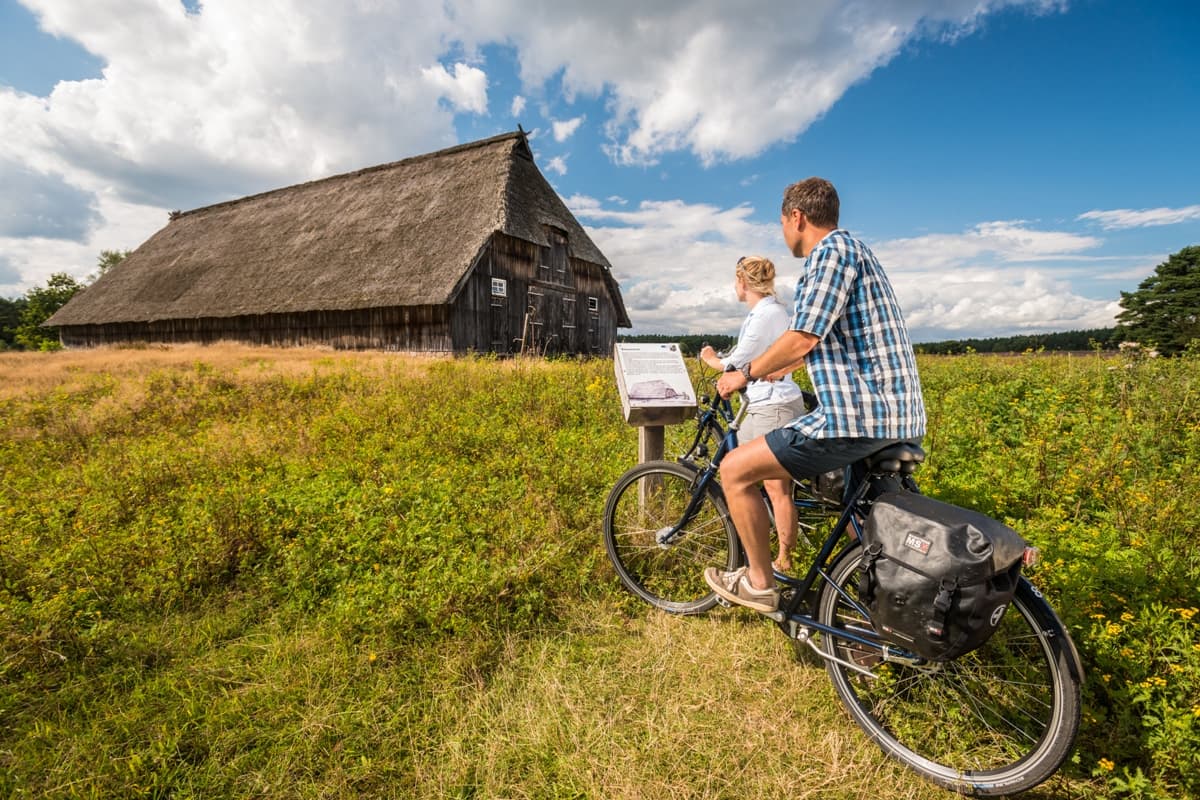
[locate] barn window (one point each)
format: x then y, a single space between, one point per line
555 256
594 305
499 287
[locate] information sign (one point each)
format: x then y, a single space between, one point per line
654 383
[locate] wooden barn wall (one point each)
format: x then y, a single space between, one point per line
409 329
551 303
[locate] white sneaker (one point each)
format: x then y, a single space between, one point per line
735 587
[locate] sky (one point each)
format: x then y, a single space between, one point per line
1014 164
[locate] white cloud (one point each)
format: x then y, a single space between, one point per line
995 279
557 164
995 302
1121 218
674 262
1003 241
43 206
688 75
31 260
193 108
565 129
466 89
238 98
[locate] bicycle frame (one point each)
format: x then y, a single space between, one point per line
999 720
797 622
801 624
710 422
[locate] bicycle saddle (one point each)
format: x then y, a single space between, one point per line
901 458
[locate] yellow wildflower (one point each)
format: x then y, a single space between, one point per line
1106 765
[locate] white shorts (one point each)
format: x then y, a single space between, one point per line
762 419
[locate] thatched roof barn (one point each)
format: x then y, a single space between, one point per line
465 249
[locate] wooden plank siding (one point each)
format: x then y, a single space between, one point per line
558 304
551 302
411 328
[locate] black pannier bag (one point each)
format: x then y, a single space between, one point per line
937 578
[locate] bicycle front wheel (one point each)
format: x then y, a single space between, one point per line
998 720
652 497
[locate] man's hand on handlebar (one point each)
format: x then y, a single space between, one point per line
730 382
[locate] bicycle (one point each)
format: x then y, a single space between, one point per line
998 720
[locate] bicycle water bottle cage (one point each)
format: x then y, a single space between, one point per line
901 459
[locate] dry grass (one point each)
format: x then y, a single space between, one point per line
31 374
657 707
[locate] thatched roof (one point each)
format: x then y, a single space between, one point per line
400 234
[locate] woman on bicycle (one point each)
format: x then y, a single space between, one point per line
772 403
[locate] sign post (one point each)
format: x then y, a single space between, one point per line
656 391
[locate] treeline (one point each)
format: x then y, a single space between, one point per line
21 318
1069 341
689 344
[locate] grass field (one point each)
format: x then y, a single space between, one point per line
239 572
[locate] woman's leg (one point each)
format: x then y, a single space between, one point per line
780 492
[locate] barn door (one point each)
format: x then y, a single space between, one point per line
501 337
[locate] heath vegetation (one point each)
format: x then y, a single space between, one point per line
237 572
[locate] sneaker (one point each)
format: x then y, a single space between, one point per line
735 587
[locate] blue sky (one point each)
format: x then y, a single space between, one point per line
1015 165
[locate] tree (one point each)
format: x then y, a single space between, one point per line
1164 312
107 260
40 303
10 318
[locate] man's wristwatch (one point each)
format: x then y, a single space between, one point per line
745 370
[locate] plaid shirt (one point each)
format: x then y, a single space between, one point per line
862 369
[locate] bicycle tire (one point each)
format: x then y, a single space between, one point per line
995 721
653 496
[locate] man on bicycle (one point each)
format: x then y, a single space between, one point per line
848 332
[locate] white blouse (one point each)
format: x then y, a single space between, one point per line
765 323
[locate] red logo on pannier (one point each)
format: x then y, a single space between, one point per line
914 542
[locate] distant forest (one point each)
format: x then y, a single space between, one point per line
1077 341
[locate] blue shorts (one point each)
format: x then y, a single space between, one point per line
803 457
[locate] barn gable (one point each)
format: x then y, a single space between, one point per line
390 256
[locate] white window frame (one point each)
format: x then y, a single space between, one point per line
499 287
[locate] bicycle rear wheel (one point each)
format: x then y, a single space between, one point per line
654 496
998 720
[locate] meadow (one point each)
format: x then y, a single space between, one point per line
240 572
